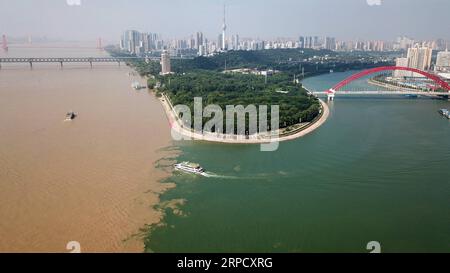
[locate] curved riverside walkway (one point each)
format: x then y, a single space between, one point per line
180 132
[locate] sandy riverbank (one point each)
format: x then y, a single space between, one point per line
177 128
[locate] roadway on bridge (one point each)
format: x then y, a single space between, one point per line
424 93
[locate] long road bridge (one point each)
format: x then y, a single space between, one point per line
89 60
61 61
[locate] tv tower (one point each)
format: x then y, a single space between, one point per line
224 28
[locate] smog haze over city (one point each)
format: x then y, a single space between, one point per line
344 19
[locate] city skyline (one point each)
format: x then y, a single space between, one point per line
142 43
268 20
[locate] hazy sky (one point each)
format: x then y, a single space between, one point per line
345 19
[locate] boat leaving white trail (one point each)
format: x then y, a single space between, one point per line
189 167
194 168
213 175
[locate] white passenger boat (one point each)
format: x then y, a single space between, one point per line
190 168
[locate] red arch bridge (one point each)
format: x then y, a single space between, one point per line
436 79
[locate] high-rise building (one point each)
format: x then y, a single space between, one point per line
443 61
404 42
316 42
309 42
235 42
154 40
198 40
301 42
131 41
145 38
420 57
137 43
379 46
441 44
191 42
402 62
122 42
359 45
165 63
330 43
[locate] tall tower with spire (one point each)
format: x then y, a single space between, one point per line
224 28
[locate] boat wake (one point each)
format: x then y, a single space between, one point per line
214 175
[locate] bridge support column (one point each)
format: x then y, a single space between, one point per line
330 97
330 94
61 64
31 65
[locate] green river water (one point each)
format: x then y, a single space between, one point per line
377 170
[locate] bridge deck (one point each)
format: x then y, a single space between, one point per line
69 60
81 59
424 93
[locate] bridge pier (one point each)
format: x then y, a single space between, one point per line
330 94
